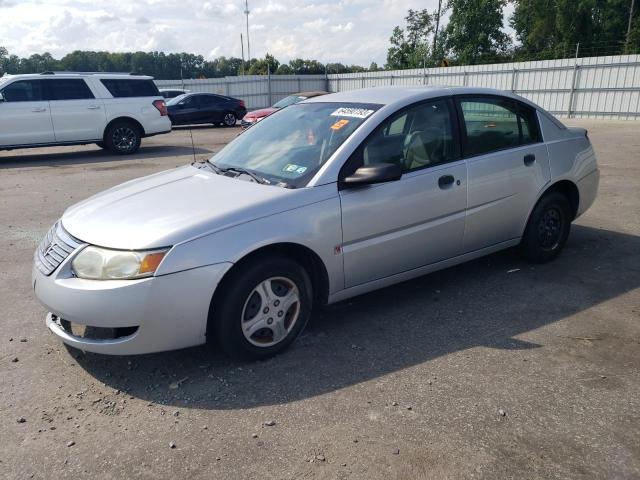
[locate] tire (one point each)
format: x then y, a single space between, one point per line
241 306
547 229
101 145
229 119
122 138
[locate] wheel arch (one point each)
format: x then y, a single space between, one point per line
303 255
124 118
567 188
570 190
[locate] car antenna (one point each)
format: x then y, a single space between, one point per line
193 147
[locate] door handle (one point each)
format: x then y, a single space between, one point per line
93 107
529 159
39 109
445 181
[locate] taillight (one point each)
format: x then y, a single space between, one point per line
161 106
242 104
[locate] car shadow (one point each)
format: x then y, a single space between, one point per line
94 154
487 302
205 126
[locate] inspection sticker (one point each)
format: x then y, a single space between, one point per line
352 112
293 168
339 124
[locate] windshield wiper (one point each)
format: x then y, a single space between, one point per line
241 171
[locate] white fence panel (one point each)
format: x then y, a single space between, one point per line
594 87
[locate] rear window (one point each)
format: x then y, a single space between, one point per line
130 87
68 89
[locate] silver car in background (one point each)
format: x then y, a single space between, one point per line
323 200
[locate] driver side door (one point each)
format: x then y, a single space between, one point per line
394 227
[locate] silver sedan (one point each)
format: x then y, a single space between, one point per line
323 200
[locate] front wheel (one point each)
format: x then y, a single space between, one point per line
261 309
547 229
122 138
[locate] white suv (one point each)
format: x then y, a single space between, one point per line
112 110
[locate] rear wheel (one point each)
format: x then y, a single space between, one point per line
547 229
123 137
261 309
229 119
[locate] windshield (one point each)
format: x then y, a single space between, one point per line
176 100
291 145
290 100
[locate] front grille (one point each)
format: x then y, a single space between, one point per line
53 249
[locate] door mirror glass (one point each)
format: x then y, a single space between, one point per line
373 173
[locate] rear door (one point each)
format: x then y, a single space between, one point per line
209 109
25 118
507 165
398 226
77 115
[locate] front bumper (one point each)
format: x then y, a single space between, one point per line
164 313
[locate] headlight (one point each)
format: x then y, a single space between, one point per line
102 264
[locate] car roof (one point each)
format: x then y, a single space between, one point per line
47 75
316 93
403 95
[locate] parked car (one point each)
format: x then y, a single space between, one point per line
197 108
172 92
114 111
257 115
321 201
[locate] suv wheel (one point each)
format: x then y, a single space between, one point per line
122 138
261 309
230 119
547 229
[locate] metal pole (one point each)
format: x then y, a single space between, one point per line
246 12
633 4
269 84
242 48
573 90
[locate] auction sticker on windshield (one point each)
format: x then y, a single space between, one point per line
352 112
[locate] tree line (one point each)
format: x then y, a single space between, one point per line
463 32
166 66
544 29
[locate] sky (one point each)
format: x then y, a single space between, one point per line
346 31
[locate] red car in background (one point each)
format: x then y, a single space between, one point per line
257 115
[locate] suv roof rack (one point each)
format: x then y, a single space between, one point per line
87 73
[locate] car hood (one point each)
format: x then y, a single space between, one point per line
174 206
263 112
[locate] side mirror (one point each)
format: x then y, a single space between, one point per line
374 173
1 97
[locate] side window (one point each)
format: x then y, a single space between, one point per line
191 101
207 101
130 87
529 124
418 137
68 89
493 124
23 91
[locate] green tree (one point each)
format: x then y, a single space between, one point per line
409 46
262 66
474 32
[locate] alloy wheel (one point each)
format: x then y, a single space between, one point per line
270 311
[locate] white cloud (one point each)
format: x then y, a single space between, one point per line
347 31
